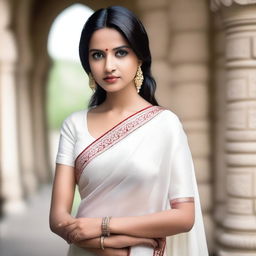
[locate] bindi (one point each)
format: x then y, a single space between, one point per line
106 49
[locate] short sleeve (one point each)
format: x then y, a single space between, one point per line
181 167
65 154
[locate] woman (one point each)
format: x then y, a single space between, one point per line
128 155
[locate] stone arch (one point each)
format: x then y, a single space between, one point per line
32 31
40 27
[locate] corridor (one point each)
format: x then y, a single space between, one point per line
28 234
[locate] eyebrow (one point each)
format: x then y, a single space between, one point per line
116 48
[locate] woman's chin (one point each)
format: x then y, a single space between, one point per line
113 89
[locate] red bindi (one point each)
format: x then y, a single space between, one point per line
106 49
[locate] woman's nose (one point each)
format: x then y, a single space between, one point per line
110 64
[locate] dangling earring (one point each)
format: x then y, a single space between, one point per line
138 79
92 82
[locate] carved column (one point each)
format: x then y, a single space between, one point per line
9 166
154 15
189 98
25 131
42 162
40 26
238 237
180 64
219 125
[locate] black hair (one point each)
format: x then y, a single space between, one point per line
124 21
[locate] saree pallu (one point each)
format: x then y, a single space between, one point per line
141 166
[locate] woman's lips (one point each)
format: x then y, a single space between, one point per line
111 79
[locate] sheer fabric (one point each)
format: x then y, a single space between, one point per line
141 166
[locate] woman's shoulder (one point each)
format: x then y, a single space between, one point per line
169 121
75 117
169 115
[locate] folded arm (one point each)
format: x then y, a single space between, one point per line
160 224
62 198
116 245
61 204
177 220
117 242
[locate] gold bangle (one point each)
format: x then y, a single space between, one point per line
102 242
105 226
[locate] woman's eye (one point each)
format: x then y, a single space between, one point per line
97 55
121 53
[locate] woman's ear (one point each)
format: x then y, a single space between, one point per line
139 62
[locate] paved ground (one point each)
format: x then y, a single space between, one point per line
28 234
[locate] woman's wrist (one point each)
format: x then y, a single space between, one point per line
107 242
116 225
112 226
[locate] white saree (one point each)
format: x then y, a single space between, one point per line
140 166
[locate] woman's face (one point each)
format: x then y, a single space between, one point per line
113 63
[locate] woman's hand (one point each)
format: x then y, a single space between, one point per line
118 242
82 228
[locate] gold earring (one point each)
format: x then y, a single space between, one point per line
92 82
138 79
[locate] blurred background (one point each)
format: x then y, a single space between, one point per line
204 62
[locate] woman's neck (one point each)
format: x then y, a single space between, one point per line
124 100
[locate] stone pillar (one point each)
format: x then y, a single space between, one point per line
189 97
154 15
40 26
218 122
25 131
179 48
9 166
42 158
238 237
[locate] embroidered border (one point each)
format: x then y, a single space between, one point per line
160 252
129 251
114 135
182 200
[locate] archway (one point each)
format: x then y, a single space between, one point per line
66 89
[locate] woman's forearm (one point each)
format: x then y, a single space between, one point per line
62 198
155 225
160 224
117 242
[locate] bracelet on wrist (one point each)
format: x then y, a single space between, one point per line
105 226
102 242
